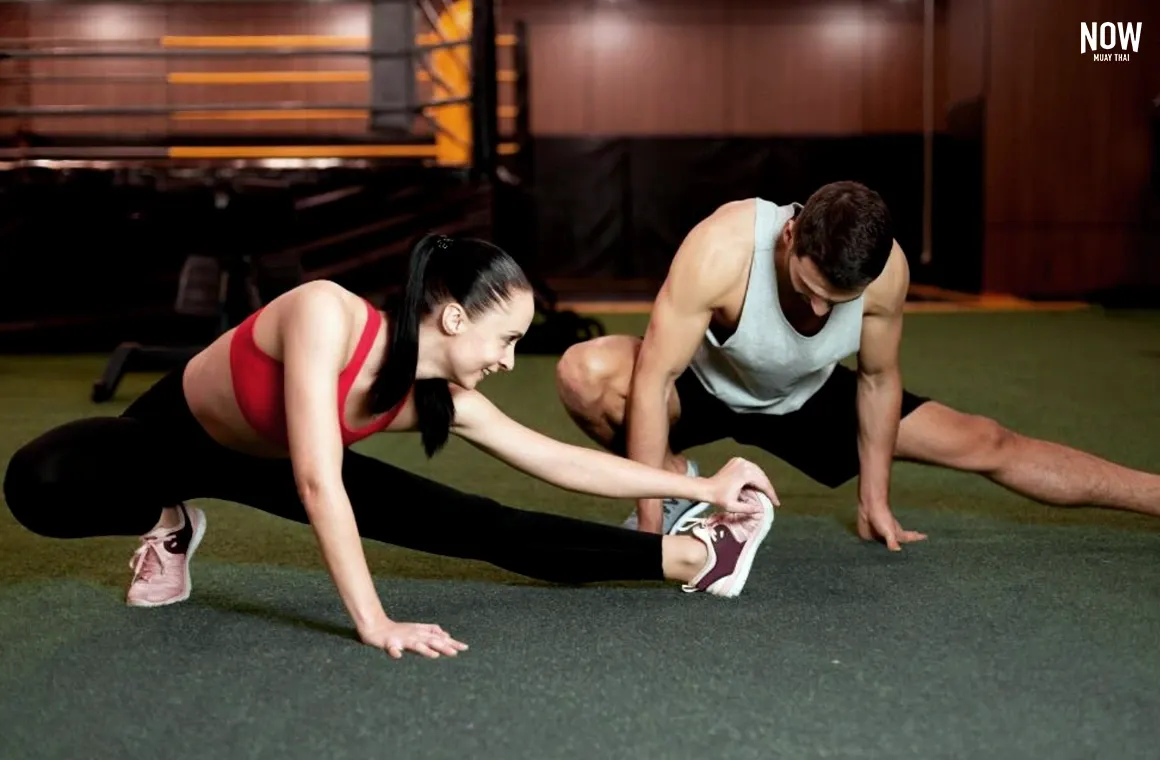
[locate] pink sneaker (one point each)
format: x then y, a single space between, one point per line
161 565
732 540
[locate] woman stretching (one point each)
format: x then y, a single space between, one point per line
265 414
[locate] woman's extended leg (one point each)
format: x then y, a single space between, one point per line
103 477
397 507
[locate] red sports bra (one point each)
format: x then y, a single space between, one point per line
258 383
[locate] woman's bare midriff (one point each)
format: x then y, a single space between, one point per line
209 388
209 391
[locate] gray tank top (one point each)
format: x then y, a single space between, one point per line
766 366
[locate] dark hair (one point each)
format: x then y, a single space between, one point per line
846 229
473 273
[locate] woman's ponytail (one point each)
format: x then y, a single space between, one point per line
433 402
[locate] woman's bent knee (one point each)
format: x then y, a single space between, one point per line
51 477
28 484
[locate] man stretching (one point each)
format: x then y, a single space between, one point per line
760 305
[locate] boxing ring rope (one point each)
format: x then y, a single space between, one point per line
440 97
460 67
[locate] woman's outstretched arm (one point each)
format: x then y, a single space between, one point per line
586 470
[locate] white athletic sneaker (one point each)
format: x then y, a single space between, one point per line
678 515
732 541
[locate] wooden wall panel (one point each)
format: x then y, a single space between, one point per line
1062 261
964 64
653 77
892 76
1048 103
1068 147
793 76
560 104
746 68
560 59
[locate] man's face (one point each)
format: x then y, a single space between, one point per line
811 285
807 280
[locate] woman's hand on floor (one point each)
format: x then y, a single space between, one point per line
426 639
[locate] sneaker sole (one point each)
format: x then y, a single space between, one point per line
740 575
194 542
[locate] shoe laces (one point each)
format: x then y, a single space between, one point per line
714 526
146 561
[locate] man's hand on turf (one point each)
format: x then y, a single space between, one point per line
877 523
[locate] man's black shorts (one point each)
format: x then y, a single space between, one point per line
820 439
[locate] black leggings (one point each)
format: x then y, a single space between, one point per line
111 476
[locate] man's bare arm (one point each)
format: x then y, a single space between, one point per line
880 380
703 271
879 401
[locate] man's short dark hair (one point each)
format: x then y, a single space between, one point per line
846 230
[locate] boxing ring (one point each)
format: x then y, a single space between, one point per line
424 86
419 124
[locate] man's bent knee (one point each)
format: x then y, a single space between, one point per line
588 371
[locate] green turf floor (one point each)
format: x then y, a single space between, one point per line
1016 631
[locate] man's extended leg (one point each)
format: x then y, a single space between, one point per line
1041 470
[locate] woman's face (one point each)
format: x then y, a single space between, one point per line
485 345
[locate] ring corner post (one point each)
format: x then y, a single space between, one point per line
392 77
484 92
523 100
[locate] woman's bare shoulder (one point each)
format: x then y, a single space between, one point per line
318 293
317 308
317 299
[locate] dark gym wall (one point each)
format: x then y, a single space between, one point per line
600 67
1068 149
648 114
1069 206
